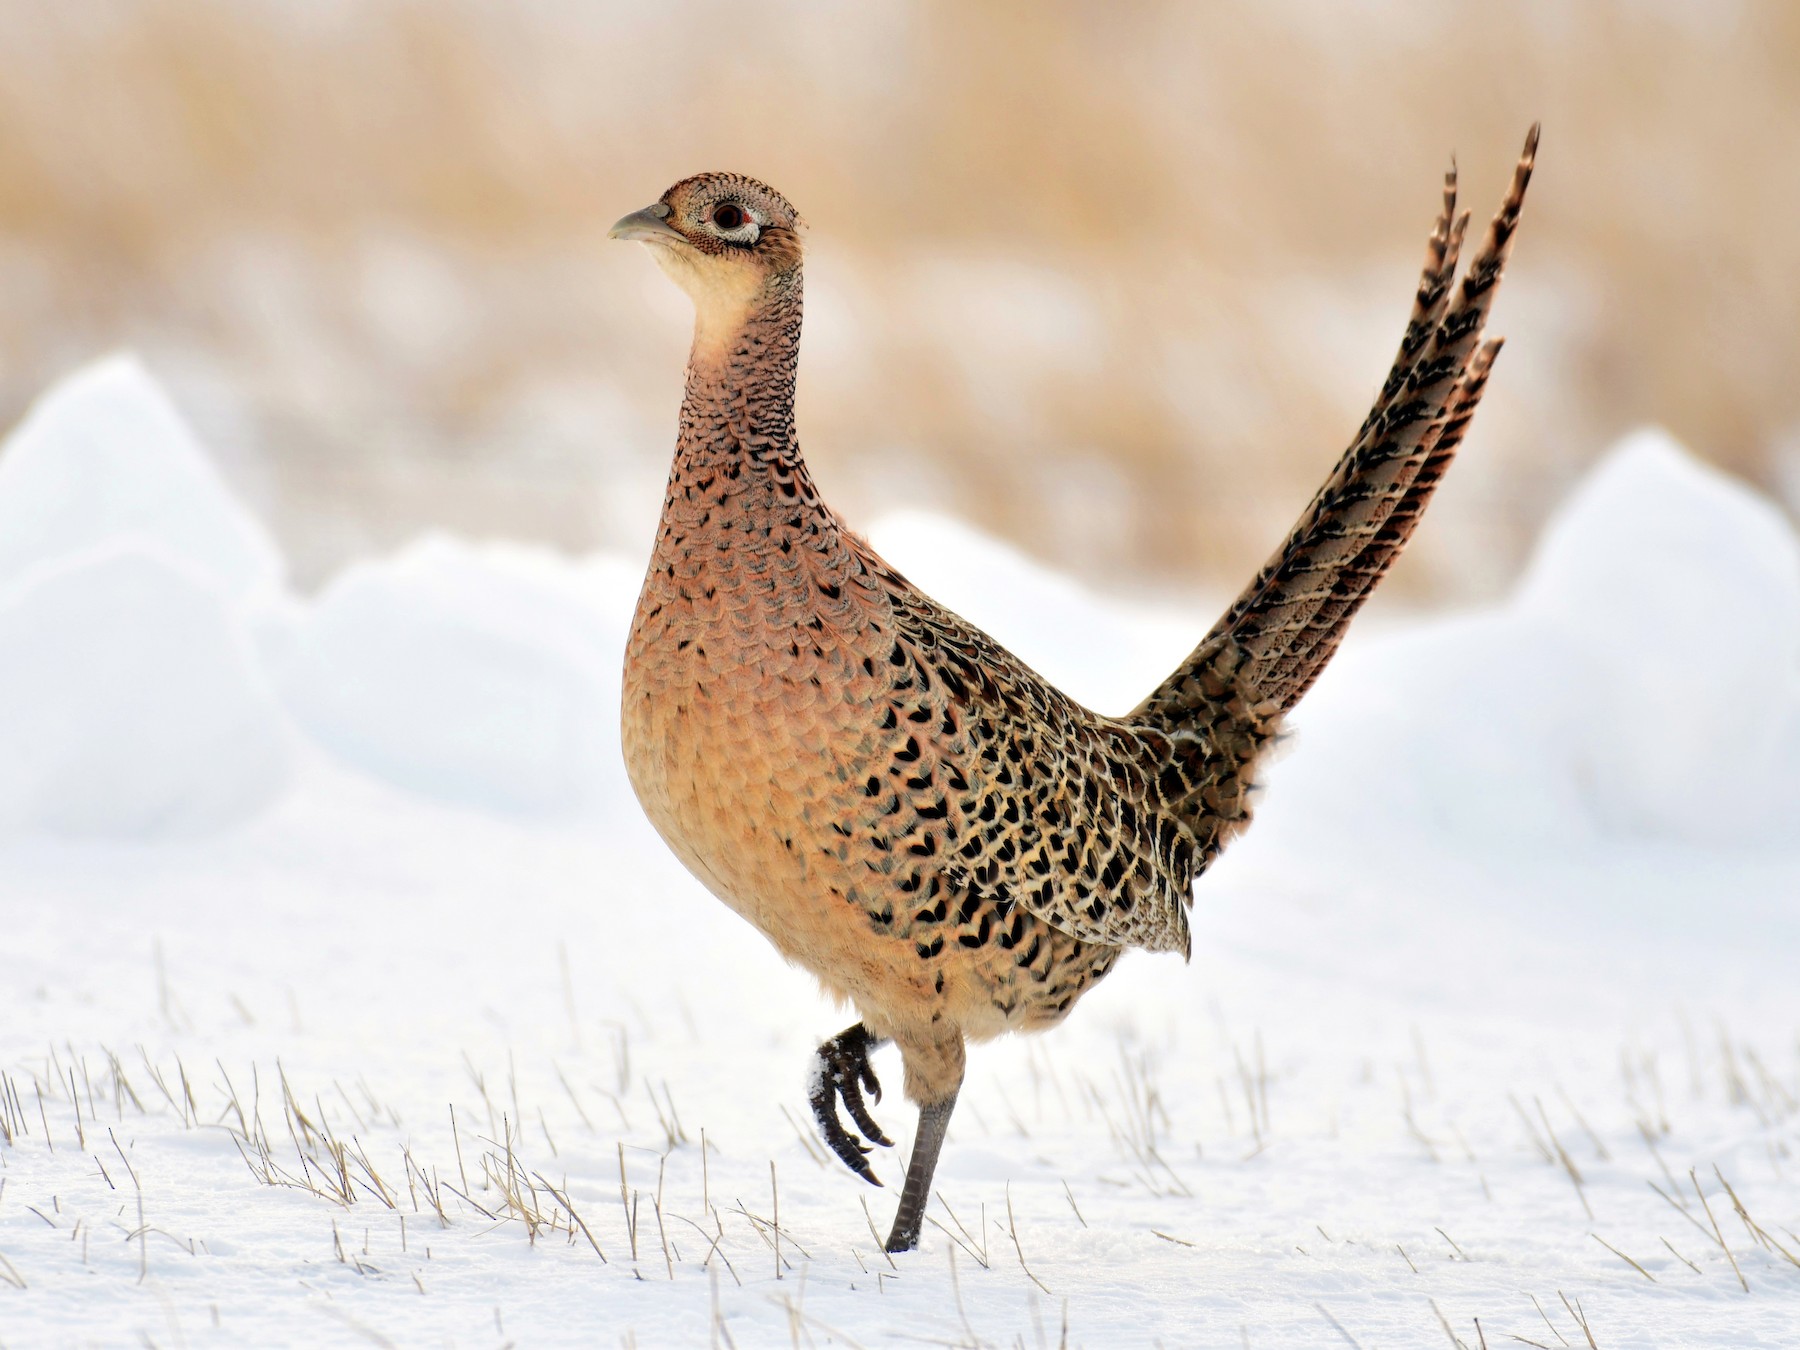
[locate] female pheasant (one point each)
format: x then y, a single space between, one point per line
898 803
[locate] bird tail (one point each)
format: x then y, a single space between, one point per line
1270 646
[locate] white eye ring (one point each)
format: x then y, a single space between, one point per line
745 229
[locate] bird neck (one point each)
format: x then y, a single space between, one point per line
738 405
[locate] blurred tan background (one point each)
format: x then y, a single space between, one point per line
1115 281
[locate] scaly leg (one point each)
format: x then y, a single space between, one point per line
934 1124
843 1071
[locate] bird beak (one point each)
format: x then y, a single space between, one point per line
650 225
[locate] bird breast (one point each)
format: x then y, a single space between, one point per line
746 693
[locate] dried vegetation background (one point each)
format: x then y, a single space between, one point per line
1114 281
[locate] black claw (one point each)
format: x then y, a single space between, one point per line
864 1121
843 1074
849 1149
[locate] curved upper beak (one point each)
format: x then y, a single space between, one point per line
650 225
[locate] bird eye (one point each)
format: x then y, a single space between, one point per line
728 215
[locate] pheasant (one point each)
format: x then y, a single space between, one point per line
900 805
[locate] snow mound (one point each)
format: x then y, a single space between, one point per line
105 456
131 704
482 675
1681 590
1644 681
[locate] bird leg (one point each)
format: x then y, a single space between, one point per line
842 1071
934 1124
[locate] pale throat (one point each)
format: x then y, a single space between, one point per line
744 357
727 300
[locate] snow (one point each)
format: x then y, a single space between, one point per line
286 881
104 456
488 676
130 702
1682 591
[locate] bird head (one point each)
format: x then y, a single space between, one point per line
730 242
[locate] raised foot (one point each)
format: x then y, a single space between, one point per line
842 1073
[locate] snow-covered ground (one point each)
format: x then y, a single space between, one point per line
344 997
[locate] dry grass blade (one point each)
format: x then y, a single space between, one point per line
626 1206
979 1250
875 1233
1444 1322
764 1227
1600 1150
1337 1325
1621 1255
1757 1232
805 1136
1072 1205
1531 1130
1580 1319
1679 1257
1650 1143
974 1255
1718 1236
473 1204
713 1248
1562 1156
1546 1316
1012 1228
1676 1205
569 1205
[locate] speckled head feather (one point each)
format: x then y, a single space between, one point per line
732 243
695 203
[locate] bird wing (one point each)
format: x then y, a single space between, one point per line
1098 826
1037 800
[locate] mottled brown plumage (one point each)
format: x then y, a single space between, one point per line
898 803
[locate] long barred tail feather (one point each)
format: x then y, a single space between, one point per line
1288 622
1429 304
1364 573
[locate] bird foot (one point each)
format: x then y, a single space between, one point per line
842 1072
